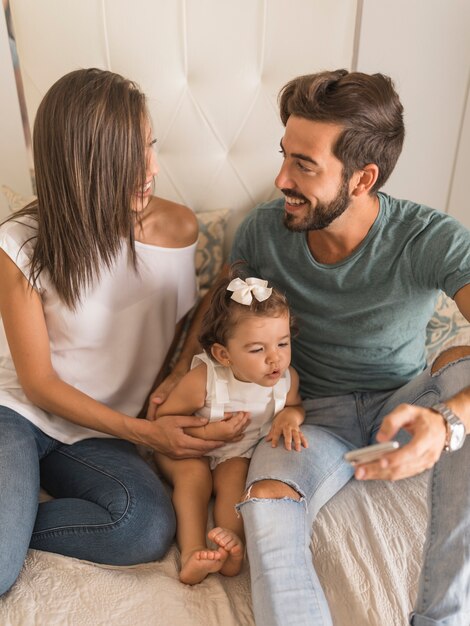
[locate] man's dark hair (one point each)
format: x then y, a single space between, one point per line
365 105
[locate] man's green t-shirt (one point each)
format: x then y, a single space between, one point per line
362 321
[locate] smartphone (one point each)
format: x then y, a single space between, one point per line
370 453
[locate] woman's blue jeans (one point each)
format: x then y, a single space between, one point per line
286 589
109 507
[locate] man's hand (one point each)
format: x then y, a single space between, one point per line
287 424
167 435
428 432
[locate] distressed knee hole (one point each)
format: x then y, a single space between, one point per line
271 489
449 356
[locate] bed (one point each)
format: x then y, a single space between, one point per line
367 541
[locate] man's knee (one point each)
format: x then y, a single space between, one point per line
272 489
449 356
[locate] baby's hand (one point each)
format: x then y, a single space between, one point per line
231 428
291 432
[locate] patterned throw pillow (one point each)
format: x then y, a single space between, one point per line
446 328
210 247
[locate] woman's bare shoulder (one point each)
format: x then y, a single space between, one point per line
169 224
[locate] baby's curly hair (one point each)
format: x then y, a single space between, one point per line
224 312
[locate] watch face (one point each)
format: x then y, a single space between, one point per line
457 437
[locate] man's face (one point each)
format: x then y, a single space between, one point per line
311 177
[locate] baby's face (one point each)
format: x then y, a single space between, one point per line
259 349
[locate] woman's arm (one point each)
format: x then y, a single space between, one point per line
28 339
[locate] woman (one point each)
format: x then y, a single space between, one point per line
95 276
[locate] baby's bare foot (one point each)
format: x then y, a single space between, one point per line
230 543
199 563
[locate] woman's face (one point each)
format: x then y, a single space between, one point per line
143 195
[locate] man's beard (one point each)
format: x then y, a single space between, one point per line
322 215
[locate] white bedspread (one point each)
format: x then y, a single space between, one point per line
367 545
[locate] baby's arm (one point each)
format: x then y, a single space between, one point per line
189 396
288 421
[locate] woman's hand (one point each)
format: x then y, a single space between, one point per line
421 453
287 424
167 435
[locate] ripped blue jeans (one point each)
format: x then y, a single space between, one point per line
285 586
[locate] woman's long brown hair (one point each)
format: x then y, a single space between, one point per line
89 145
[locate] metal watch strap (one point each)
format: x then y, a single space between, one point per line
449 416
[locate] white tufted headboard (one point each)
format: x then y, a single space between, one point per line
212 70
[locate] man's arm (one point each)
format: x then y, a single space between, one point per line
426 426
462 300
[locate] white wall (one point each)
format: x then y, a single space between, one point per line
14 168
459 196
425 46
212 70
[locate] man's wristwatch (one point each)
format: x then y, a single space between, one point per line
455 436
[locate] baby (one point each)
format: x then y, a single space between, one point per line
245 368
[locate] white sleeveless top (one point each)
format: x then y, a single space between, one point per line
113 345
224 393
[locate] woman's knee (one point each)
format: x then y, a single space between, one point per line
149 532
10 569
6 582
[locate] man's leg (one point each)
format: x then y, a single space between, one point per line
444 588
285 492
449 374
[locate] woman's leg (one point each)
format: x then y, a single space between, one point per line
110 505
229 484
19 492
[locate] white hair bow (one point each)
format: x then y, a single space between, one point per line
243 290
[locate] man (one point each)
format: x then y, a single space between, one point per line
362 272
